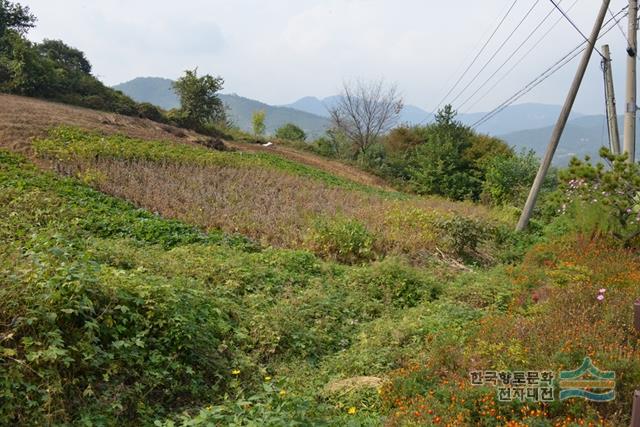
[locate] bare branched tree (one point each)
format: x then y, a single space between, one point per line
366 110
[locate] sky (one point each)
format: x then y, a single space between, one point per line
278 51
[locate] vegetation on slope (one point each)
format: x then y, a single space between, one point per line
276 201
111 314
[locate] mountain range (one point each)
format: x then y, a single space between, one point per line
523 126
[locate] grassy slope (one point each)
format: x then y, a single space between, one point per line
263 196
110 312
208 316
22 119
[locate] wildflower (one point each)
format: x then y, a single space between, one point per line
352 410
602 290
235 372
600 297
267 378
282 392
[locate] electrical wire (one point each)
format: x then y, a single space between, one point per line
624 35
574 25
486 43
506 61
496 52
522 58
545 74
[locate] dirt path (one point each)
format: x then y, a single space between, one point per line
22 119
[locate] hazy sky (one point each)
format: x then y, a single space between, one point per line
280 50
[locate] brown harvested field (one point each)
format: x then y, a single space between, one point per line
274 207
22 119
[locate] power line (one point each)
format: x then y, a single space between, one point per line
507 60
624 35
544 75
522 58
486 43
497 51
574 25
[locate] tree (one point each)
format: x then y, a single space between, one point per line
257 119
69 58
365 111
199 100
16 17
291 132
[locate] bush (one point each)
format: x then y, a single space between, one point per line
393 282
151 112
603 200
343 239
508 178
290 132
100 343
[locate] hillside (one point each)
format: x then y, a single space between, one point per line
189 286
582 137
22 119
158 91
524 126
163 268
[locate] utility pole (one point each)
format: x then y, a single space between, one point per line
562 120
612 113
631 105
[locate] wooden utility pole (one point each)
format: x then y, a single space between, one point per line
562 120
612 111
631 105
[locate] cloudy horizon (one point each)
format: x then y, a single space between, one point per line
282 50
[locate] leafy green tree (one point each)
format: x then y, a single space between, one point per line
69 58
291 132
14 16
257 119
439 167
199 101
445 157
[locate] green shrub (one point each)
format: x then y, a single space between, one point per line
99 344
461 235
393 282
343 239
601 200
290 132
508 178
151 112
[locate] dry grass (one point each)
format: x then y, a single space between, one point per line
23 119
271 206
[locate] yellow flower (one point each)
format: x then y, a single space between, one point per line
282 392
235 372
352 410
267 378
